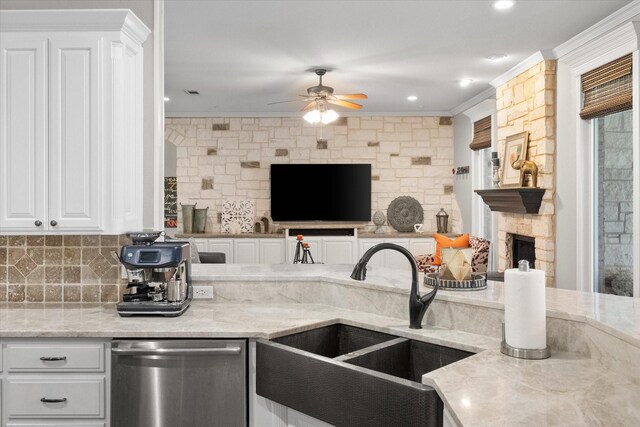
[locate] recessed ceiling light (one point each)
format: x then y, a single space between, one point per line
412 98
166 98
498 57
191 92
465 82
503 4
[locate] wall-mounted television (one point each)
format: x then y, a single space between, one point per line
321 192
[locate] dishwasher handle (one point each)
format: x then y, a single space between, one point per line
222 351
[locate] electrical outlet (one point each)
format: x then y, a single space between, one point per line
203 292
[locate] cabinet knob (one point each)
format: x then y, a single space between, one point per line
53 223
38 223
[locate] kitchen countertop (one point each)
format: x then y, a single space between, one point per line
485 389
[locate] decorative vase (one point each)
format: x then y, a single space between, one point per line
378 220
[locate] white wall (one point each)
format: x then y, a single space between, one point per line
144 9
567 151
462 184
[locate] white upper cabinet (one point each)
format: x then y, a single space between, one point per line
71 120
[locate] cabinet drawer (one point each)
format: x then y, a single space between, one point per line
79 398
66 424
54 357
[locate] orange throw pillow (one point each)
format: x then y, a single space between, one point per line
443 241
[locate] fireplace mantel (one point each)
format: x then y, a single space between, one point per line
513 200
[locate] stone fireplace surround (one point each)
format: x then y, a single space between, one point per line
527 103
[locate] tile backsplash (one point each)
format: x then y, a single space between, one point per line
60 268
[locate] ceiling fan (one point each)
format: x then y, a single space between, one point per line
318 98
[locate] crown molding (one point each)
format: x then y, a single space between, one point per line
488 93
196 114
481 110
619 17
539 56
603 49
75 20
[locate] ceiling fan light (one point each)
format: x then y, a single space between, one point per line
329 116
312 116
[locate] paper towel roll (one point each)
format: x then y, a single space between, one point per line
525 319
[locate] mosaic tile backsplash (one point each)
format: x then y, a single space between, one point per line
60 268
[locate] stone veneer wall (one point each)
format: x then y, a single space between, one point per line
527 103
229 158
60 268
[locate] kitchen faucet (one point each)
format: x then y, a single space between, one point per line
417 305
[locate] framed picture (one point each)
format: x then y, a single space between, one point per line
515 148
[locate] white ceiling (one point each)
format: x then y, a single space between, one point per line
241 55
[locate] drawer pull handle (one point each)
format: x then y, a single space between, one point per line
45 400
53 359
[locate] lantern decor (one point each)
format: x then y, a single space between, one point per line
442 221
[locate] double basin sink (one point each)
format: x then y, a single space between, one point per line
348 376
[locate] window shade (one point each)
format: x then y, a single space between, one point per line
481 134
608 89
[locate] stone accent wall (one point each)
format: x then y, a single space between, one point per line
615 192
409 156
60 268
527 103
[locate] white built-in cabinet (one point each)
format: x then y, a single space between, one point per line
71 119
324 249
54 382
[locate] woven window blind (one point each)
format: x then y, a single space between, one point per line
481 134
608 89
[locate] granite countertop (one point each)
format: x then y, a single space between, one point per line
485 389
278 235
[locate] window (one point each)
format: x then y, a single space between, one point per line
613 200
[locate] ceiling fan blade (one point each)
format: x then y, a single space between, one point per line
282 102
346 104
309 106
352 96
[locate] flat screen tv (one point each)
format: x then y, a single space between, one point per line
321 192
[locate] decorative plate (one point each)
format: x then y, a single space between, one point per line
404 212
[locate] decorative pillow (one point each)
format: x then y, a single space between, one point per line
480 258
443 241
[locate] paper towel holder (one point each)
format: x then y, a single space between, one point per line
523 353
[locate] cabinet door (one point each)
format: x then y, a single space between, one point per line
222 245
378 259
394 259
245 251
339 251
75 145
272 251
422 246
298 419
23 134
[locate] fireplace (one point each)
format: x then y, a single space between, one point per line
523 247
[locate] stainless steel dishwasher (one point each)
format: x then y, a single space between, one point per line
172 383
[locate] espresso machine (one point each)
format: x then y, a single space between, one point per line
159 276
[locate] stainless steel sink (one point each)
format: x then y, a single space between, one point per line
349 376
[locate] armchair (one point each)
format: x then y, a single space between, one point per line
479 257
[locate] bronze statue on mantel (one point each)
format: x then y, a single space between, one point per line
527 167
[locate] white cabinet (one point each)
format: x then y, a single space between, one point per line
222 245
393 259
54 382
339 250
272 251
71 120
246 251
